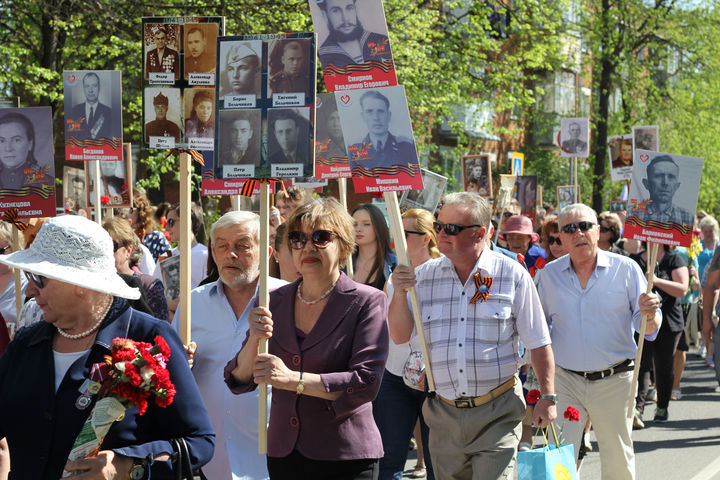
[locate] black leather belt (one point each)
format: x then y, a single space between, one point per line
625 366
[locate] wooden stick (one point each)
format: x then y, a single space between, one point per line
575 173
652 259
342 191
18 286
96 193
185 248
263 301
398 235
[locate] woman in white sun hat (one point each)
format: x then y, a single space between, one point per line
44 399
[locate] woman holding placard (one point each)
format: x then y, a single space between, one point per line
328 342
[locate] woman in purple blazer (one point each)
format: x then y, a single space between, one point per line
327 352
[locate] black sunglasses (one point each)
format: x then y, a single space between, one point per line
319 238
38 280
171 222
573 227
451 228
413 232
552 240
5 249
605 229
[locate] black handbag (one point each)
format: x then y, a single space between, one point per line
181 461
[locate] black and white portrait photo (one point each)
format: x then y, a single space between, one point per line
240 135
477 174
428 197
74 191
377 129
574 137
240 70
289 136
646 138
291 67
161 46
93 105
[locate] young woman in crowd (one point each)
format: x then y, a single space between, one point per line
398 407
373 260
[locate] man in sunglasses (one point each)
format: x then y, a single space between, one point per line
594 301
475 304
219 312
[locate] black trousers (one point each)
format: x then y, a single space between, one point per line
660 353
295 466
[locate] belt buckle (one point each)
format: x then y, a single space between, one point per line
463 403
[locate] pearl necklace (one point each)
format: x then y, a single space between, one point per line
76 336
313 302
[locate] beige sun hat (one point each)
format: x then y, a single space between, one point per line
74 250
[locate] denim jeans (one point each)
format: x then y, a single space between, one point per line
396 410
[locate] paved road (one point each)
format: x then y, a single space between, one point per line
686 447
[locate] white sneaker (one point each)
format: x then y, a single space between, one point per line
701 351
676 395
651 396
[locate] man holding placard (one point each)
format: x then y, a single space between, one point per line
594 301
219 311
475 304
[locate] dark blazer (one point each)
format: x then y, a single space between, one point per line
101 112
169 63
41 425
394 152
348 347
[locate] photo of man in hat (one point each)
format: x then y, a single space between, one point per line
161 126
241 71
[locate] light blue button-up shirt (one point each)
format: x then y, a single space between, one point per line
592 328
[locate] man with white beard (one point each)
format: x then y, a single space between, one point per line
219 313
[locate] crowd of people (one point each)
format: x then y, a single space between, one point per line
522 317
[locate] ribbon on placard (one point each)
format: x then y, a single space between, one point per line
249 186
11 216
483 287
197 156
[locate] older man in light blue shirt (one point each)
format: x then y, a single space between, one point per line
219 312
594 302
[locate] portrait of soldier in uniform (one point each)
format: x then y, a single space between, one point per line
162 58
95 119
662 182
241 70
161 126
348 42
381 146
289 66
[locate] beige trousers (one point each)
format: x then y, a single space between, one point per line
475 443
606 402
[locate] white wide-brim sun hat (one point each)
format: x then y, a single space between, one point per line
74 250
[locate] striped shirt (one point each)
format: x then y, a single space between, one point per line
473 348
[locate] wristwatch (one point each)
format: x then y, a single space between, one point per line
549 396
301 385
137 472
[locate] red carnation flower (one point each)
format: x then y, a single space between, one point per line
162 345
533 396
104 200
521 258
531 270
572 414
540 263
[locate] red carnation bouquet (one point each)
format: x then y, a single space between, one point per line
134 373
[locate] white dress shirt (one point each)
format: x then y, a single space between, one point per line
219 336
592 328
474 347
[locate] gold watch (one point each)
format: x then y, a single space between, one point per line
301 385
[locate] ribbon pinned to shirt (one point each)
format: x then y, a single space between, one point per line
482 286
249 186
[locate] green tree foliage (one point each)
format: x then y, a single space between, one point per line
447 52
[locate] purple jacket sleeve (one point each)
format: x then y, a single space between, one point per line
236 387
361 382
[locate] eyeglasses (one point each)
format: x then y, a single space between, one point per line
552 240
5 249
573 227
171 222
605 229
413 232
38 280
451 228
319 238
